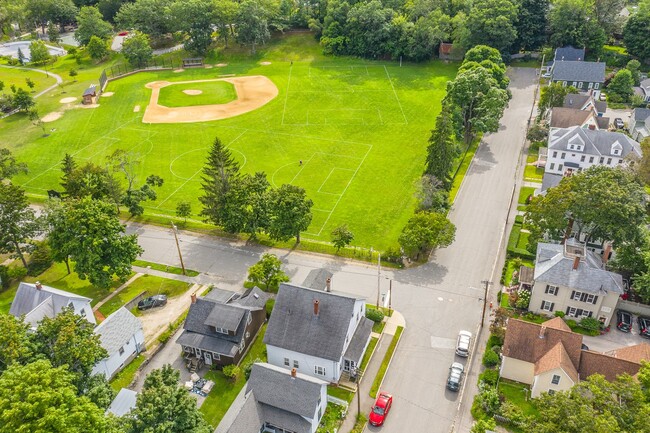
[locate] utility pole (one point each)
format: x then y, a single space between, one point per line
485 295
378 279
390 295
178 246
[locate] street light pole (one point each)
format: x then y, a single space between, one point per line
390 295
178 246
485 295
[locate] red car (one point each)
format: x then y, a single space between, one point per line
381 408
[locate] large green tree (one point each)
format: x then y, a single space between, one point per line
94 239
146 16
493 23
531 24
621 87
636 31
163 406
18 222
573 22
15 343
137 50
290 211
39 53
426 231
553 96
9 167
608 15
249 208
442 149
194 17
267 273
97 48
90 23
252 24
220 173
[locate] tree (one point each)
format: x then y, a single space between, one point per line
93 238
73 73
21 57
126 163
53 34
531 24
30 83
224 15
97 48
572 22
479 102
267 273
194 17
442 149
90 23
642 166
608 15
133 198
9 167
146 16
342 237
40 398
165 407
136 49
18 222
252 24
620 88
39 53
492 22
290 211
553 96
431 194
635 32
484 425
183 210
219 173
633 66
22 100
426 231
90 180
15 343
249 207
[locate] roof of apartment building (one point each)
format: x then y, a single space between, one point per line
595 142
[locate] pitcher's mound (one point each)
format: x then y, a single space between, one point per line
51 117
192 92
68 100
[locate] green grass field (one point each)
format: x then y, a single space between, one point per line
18 78
360 128
213 92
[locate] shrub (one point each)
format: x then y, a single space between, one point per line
40 259
17 273
484 425
490 359
374 315
489 377
523 298
489 400
590 324
560 314
571 323
4 277
231 371
392 255
494 340
269 307
249 367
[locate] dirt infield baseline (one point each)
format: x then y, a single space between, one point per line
252 93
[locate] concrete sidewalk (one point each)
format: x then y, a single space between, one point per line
203 279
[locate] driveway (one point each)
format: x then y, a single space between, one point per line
156 320
622 114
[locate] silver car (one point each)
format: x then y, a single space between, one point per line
463 343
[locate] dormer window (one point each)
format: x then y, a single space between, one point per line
221 330
617 149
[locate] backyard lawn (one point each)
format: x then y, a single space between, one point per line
524 193
531 172
517 393
124 378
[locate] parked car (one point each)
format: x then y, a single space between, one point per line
618 123
463 342
644 327
152 302
455 376
603 96
381 408
623 321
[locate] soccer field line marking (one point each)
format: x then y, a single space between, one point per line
395 93
286 96
381 119
302 167
328 176
309 137
197 171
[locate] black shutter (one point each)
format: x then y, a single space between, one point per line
552 305
583 297
595 300
542 307
567 310
590 314
546 291
573 294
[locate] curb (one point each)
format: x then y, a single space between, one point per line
390 361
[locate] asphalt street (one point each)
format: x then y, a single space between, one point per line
437 299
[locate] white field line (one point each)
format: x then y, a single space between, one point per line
396 97
286 96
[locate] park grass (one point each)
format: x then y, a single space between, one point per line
124 378
360 127
165 268
215 92
379 379
18 78
340 393
225 390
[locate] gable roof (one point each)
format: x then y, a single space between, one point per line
569 53
637 353
294 326
123 402
358 342
641 114
552 266
529 342
255 298
557 323
645 85
562 117
117 329
252 415
43 302
225 317
609 366
593 72
557 357
596 142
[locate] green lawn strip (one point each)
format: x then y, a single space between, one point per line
332 418
124 378
340 393
127 294
516 393
369 351
225 390
461 170
165 268
524 193
158 286
384 363
360 425
378 327
214 92
531 172
505 300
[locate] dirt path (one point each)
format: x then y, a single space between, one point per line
252 93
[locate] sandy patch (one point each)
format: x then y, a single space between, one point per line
179 70
222 65
51 117
265 63
136 108
252 93
68 100
208 66
88 106
192 92
108 94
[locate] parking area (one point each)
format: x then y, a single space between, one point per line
615 339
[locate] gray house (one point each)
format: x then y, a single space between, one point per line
277 400
639 125
122 336
584 76
218 329
644 86
36 301
583 101
568 54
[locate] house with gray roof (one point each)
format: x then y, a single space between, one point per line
575 149
122 336
644 86
572 279
123 403
583 101
639 125
219 328
320 333
277 400
567 53
584 76
36 301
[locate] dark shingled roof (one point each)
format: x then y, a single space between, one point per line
225 317
294 326
255 298
609 366
317 279
593 72
569 53
357 345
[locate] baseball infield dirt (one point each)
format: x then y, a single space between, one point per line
252 93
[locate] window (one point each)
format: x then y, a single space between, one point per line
571 311
242 345
82 312
620 161
295 364
248 334
555 154
582 158
575 84
616 151
187 349
547 306
563 155
585 313
319 370
122 350
590 85
596 85
559 167
580 85
286 362
591 160
576 295
216 356
602 159
221 330
552 166
571 147
555 380
551 391
590 298
573 155
551 290
609 161
563 83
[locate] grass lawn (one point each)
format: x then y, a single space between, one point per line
384 363
378 327
18 78
524 193
214 92
512 266
462 167
360 127
532 173
369 352
225 390
158 286
125 377
515 393
332 418
505 300
165 268
340 393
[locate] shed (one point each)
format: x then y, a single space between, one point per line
526 277
123 403
90 95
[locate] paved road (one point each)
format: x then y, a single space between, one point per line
437 299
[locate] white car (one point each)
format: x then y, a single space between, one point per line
462 345
602 96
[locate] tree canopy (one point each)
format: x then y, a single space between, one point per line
426 231
267 273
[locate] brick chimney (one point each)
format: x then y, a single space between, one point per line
38 285
576 262
193 298
328 285
293 373
316 305
592 127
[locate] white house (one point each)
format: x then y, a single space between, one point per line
36 301
319 333
277 400
122 336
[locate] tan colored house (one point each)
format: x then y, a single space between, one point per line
549 357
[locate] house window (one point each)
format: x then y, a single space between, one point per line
590 298
556 379
582 158
295 364
563 155
590 85
319 370
555 154
248 334
596 86
571 147
547 306
574 84
242 345
580 85
620 161
559 167
552 166
609 161
221 330
216 356
551 391
571 311
121 350
616 151
575 296
82 312
286 362
585 313
602 159
591 160
551 290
